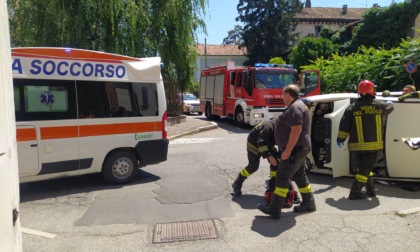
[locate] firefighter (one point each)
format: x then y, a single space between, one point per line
409 91
294 143
362 123
260 143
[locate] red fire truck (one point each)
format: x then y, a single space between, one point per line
250 95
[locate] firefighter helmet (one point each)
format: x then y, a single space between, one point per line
366 87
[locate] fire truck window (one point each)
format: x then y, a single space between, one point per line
240 79
232 78
248 85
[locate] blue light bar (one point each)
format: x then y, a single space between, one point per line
273 65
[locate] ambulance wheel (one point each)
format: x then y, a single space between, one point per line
239 117
120 167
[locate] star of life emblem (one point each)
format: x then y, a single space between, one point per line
47 98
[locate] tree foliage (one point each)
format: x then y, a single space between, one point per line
234 36
309 49
386 68
385 27
277 60
138 28
268 27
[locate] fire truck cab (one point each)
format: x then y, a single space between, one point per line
250 95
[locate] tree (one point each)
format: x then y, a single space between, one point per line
268 27
234 36
385 27
309 49
386 68
138 28
277 60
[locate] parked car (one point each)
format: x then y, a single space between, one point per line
191 104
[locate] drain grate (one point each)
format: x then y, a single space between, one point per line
185 231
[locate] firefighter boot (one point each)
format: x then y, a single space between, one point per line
237 185
307 205
274 208
370 187
356 191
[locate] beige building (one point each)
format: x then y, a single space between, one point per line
217 55
311 20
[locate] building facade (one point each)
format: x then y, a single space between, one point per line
217 55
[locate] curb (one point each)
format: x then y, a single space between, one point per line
195 131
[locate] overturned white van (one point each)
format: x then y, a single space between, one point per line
400 159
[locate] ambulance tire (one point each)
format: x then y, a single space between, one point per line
120 167
239 117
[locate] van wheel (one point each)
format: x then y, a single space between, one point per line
239 117
120 167
200 113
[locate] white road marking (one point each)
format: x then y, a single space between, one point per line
193 140
38 233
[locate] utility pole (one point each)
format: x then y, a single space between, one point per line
205 53
10 234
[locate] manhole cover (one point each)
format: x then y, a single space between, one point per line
184 231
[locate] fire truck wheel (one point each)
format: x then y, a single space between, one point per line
239 117
120 167
208 111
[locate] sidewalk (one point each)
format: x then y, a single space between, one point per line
190 124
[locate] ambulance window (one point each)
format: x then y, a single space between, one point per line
145 99
16 95
116 99
45 100
93 99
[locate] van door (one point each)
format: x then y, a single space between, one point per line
403 122
27 147
339 157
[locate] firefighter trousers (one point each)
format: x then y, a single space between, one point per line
365 161
293 168
254 164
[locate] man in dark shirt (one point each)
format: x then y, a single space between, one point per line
294 143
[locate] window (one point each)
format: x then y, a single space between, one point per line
113 99
240 79
44 100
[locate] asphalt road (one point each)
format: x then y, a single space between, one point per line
86 214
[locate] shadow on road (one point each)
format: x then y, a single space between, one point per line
248 201
350 205
268 227
74 185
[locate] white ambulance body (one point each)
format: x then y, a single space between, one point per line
80 111
398 161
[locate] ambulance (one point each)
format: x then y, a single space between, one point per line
79 112
400 159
